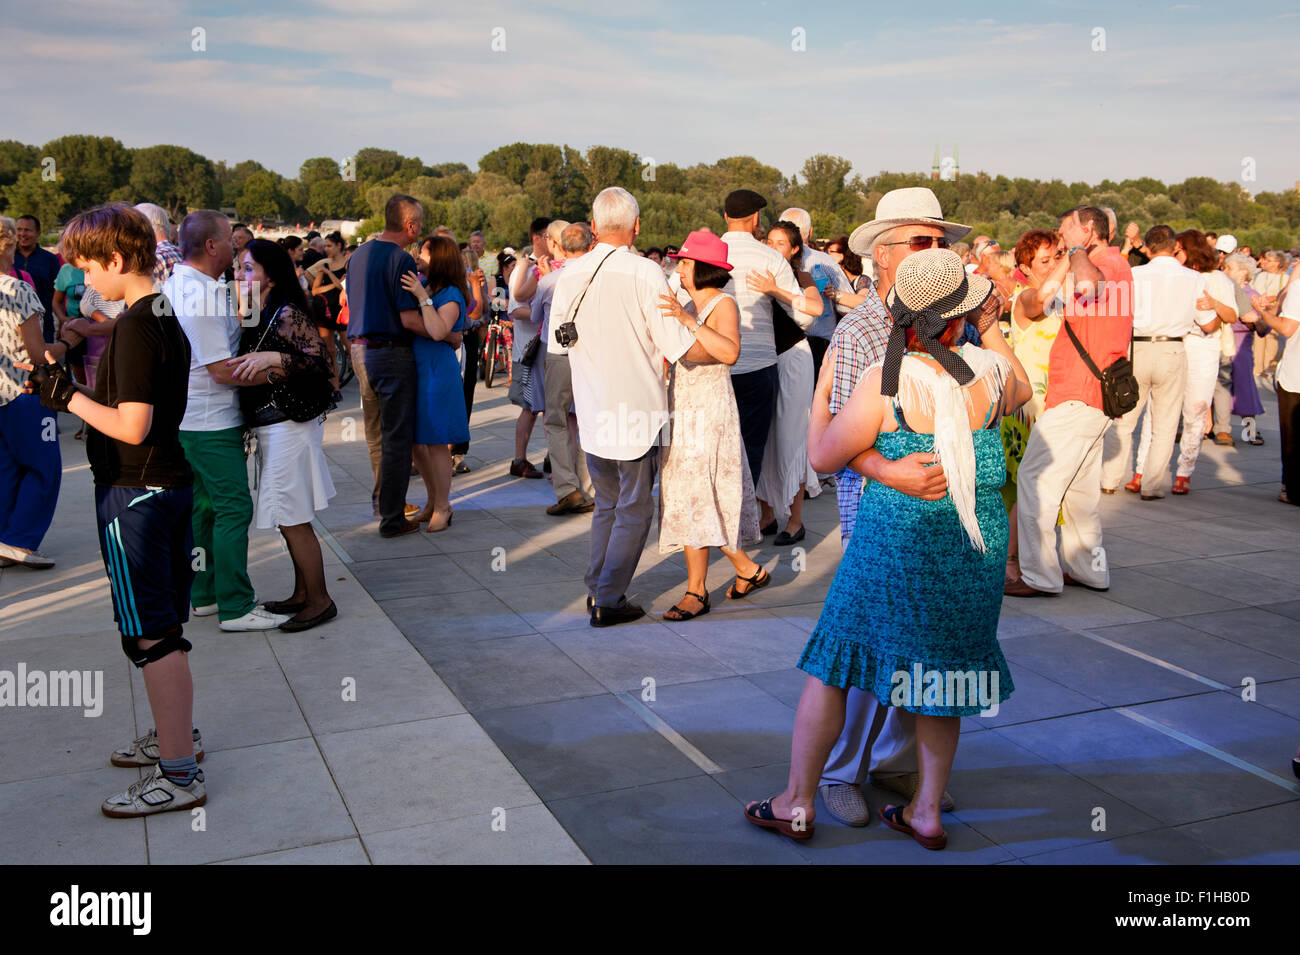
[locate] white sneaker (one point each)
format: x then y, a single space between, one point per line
155 793
207 610
255 619
28 558
144 751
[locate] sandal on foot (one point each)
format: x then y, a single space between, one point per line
761 815
678 614
892 816
760 579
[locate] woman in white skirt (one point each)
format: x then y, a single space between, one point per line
786 473
284 353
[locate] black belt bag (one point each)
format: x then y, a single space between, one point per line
1119 386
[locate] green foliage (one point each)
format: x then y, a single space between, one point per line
32 194
176 178
516 182
89 168
15 159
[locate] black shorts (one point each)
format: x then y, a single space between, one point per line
145 536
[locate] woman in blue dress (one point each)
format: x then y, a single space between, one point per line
440 418
913 611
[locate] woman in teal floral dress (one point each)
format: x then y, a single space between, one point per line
919 589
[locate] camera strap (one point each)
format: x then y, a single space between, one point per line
578 304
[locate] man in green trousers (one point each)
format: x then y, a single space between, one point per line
212 431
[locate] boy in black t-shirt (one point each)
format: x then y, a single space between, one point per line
143 494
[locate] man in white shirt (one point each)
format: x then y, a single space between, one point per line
572 483
754 375
611 296
831 282
523 390
1286 322
212 431
1164 313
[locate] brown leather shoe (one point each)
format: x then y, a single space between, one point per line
1224 439
571 503
1018 588
523 468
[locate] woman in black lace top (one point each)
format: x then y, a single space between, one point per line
286 410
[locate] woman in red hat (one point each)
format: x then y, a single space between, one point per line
706 493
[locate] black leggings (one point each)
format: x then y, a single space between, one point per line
1288 413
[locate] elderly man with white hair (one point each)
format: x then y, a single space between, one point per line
168 255
610 298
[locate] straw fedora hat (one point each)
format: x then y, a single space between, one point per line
915 205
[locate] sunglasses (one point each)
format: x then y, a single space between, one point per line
919 243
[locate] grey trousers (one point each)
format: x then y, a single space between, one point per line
620 524
568 463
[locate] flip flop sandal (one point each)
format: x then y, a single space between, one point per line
761 815
892 816
679 614
759 580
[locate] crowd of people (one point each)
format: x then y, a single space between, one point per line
968 406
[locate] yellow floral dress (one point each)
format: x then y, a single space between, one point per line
1033 346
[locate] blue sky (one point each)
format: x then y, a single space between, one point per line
1180 89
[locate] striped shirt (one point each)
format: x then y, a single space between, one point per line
860 341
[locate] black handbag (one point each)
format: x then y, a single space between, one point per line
1119 386
531 349
301 397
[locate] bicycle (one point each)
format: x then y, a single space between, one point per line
497 345
344 353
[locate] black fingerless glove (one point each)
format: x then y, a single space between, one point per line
55 386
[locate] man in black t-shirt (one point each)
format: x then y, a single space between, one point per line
143 495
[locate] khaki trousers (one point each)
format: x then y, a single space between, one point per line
1161 372
568 463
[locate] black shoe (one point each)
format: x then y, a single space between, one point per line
785 540
769 529
284 606
611 616
294 626
546 464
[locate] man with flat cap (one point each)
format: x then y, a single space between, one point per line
754 375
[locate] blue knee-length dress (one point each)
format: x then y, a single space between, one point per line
912 590
440 414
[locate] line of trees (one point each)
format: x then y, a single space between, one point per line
515 183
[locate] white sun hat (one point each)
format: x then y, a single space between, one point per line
915 205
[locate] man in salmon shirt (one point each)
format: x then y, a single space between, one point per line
1061 469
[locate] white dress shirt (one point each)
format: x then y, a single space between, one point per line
205 310
1164 298
757 346
619 390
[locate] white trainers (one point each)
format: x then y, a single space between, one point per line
144 751
28 558
155 793
207 610
255 619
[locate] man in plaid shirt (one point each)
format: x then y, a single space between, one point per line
879 738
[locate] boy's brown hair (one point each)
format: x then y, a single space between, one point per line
94 235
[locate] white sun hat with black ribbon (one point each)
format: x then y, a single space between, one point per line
915 205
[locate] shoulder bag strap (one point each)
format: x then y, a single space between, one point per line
1087 359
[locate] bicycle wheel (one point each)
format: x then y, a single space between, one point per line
346 374
490 357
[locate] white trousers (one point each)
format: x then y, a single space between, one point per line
1061 471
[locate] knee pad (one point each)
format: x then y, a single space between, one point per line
169 641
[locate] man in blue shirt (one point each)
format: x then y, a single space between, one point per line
41 265
382 317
